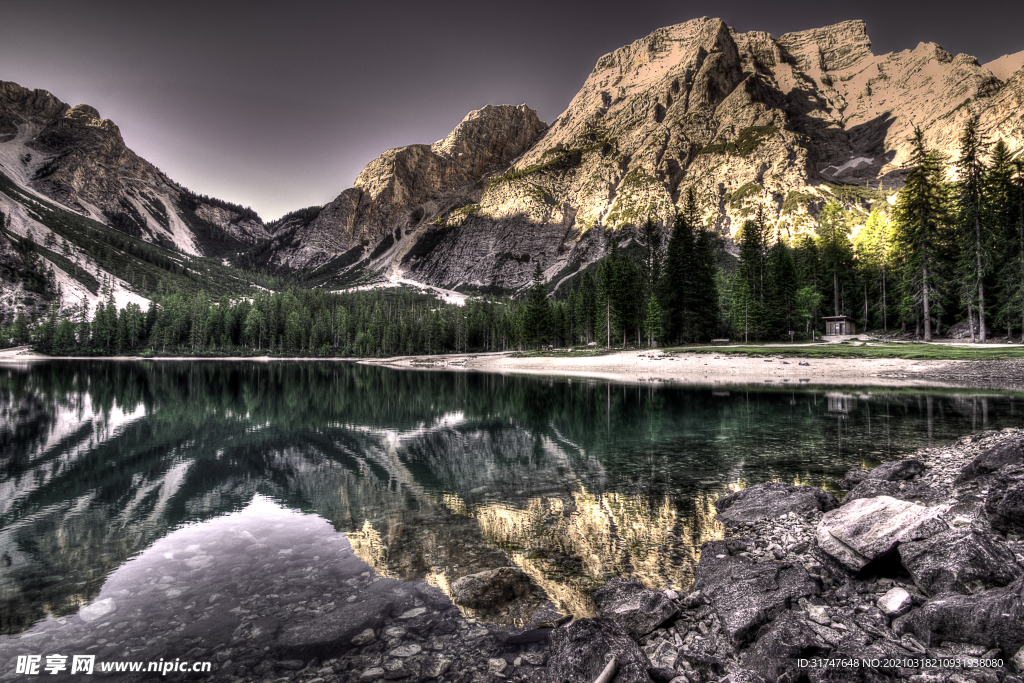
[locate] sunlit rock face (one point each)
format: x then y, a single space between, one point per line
76 157
396 191
746 119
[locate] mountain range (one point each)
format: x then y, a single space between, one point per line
747 120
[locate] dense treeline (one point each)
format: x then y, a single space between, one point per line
296 322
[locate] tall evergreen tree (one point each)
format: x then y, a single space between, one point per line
749 287
677 285
974 230
1006 208
834 237
920 225
874 252
781 288
537 310
705 285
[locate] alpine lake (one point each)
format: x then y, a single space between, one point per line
306 520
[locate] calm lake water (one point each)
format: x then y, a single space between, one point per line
188 509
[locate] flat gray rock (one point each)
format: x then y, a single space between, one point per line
579 652
959 561
990 619
771 500
868 528
638 610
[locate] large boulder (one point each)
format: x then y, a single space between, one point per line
746 594
790 637
579 653
994 459
490 589
771 500
989 619
870 528
638 610
962 330
959 561
1005 503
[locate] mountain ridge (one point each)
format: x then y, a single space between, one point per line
785 124
747 120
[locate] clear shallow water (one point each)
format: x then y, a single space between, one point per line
203 507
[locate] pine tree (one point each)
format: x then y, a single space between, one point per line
677 290
1006 208
781 290
537 310
920 225
833 235
652 321
874 253
749 287
704 277
974 230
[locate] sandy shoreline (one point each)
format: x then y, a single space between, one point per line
655 366
708 368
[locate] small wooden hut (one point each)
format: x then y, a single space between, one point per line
839 325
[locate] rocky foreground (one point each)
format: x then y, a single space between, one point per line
917 574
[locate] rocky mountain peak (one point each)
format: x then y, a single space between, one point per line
397 190
489 138
830 48
84 113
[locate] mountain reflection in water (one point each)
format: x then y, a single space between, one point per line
429 476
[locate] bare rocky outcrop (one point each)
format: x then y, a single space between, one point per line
404 186
638 610
76 157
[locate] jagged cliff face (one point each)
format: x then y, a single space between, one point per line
402 187
73 156
745 119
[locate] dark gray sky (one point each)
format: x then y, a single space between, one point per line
280 105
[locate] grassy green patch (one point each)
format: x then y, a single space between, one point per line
746 143
735 199
856 194
909 351
455 217
796 199
560 158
